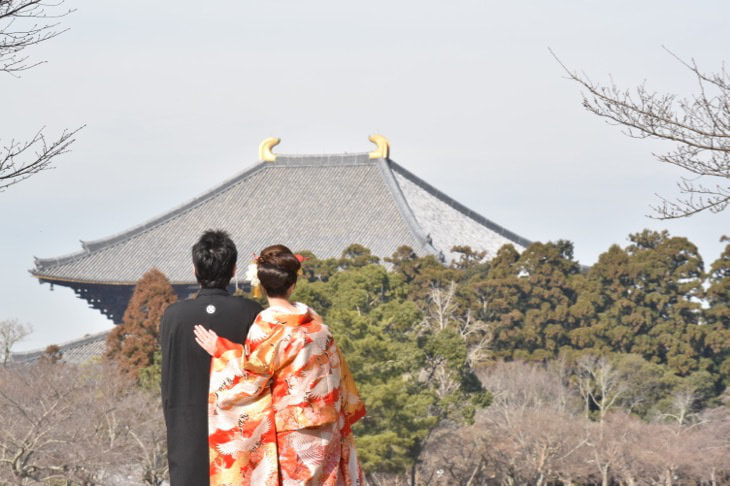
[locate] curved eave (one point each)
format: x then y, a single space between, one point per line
61 280
88 247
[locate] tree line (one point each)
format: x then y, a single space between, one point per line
643 332
526 368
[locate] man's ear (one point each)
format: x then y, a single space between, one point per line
195 272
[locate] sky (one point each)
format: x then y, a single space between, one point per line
175 98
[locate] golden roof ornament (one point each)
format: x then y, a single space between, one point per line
265 153
382 149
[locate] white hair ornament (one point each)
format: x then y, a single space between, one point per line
252 276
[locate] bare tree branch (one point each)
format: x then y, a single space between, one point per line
20 160
11 332
85 425
698 126
24 24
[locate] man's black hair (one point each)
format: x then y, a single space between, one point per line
214 257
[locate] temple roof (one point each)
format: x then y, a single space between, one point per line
78 351
320 203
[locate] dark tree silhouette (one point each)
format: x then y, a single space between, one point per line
133 343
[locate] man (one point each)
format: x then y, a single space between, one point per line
186 366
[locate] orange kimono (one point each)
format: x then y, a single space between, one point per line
280 408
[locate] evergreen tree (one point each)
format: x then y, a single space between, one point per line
133 343
645 300
717 314
414 332
667 277
314 269
405 262
549 270
604 305
529 300
410 376
468 258
357 256
503 308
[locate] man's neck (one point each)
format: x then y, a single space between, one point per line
213 289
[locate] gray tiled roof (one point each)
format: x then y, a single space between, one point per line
447 223
320 203
78 351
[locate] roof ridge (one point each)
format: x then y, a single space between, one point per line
501 230
342 154
89 247
322 160
403 207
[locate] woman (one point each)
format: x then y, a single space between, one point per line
281 407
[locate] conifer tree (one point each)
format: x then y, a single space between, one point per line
645 299
405 262
668 275
355 256
717 314
548 269
608 313
132 344
529 300
392 351
503 304
314 269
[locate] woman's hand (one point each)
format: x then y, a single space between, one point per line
205 338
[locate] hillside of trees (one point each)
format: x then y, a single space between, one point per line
524 369
640 341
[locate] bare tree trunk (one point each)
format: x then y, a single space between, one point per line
370 480
475 472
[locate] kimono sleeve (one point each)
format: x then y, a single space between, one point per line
242 373
353 407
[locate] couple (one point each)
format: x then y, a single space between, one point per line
280 399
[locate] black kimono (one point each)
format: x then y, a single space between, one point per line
186 374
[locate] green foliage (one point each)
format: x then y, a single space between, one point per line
646 384
646 300
392 352
415 332
314 269
355 256
529 298
150 376
717 314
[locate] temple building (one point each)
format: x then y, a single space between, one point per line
320 203
77 351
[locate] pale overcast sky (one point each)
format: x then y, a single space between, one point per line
176 97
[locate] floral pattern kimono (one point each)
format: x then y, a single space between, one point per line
280 408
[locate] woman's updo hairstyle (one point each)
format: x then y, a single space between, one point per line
278 269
